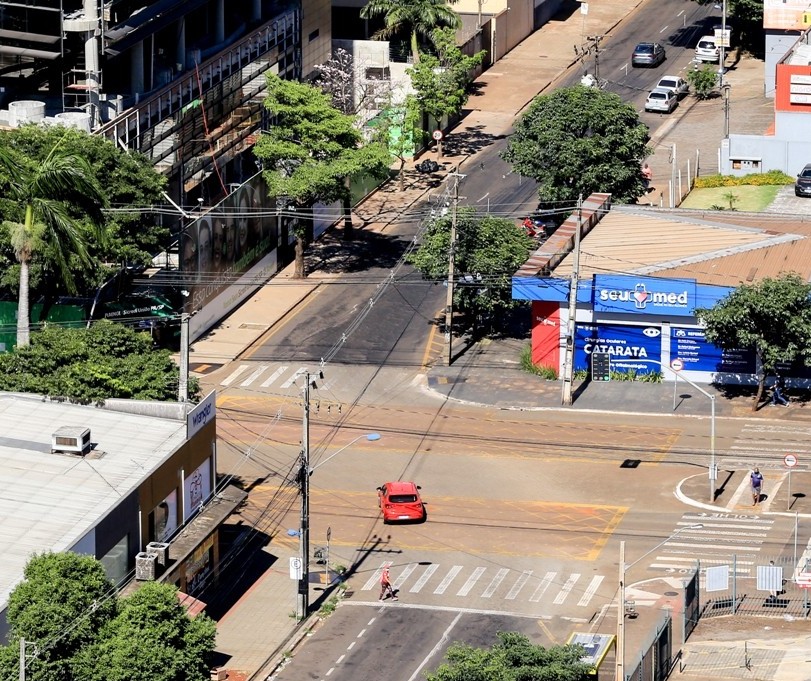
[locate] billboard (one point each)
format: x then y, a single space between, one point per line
698 354
644 295
631 348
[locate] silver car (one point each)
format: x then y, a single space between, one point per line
676 84
663 101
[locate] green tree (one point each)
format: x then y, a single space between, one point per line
417 18
46 193
312 150
513 658
703 80
746 19
91 365
398 128
579 140
488 251
442 82
152 638
773 316
60 606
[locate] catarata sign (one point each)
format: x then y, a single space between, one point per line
644 295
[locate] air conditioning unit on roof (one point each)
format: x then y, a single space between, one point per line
71 440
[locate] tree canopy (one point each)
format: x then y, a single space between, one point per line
90 365
773 316
80 630
513 658
488 252
579 140
415 18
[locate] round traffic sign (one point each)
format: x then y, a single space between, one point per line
677 364
437 135
790 460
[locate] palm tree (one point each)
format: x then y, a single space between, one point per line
418 17
49 193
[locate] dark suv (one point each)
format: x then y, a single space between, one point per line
802 187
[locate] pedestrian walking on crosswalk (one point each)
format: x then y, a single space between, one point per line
757 486
385 586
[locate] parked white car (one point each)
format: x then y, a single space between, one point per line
708 50
676 84
663 101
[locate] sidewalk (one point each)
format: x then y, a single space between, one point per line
256 632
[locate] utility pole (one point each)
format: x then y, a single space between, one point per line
673 176
183 382
479 19
22 659
619 674
303 599
452 265
568 361
595 39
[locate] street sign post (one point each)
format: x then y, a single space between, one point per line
804 580
790 460
437 135
600 366
295 567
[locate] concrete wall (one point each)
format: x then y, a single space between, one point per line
776 47
775 154
316 34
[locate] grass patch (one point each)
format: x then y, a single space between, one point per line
744 197
549 373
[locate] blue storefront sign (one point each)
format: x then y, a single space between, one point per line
644 295
698 354
632 348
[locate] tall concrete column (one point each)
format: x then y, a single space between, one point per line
92 62
180 48
137 86
219 21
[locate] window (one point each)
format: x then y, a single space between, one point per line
313 35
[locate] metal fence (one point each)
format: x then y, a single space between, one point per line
766 587
655 659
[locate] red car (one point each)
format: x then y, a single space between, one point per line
400 501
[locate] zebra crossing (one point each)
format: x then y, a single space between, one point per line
722 536
490 584
263 376
767 443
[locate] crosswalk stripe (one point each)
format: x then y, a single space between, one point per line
693 560
404 575
447 579
543 586
490 590
733 526
693 519
567 587
241 369
268 381
519 584
290 381
711 533
471 581
727 547
375 578
591 590
256 374
676 566
430 570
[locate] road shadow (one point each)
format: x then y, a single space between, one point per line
332 254
469 140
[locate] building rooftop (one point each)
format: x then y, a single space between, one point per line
637 241
48 501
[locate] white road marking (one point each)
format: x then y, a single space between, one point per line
241 369
439 645
519 584
256 374
273 377
446 581
404 575
490 590
567 587
290 381
471 581
430 570
543 586
591 590
375 578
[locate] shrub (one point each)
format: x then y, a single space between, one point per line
545 372
702 80
773 177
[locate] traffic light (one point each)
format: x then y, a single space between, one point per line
600 366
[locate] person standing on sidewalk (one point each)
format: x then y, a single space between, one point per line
647 177
385 585
777 392
756 480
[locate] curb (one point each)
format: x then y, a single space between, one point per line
277 660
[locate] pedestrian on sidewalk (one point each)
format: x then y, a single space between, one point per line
777 392
647 177
756 480
385 586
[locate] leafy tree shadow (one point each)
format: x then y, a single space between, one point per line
469 140
332 254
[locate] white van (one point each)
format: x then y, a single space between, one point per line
708 49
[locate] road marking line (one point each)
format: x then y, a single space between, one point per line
519 584
290 381
543 586
439 645
351 645
241 369
721 533
591 590
404 575
567 587
726 547
274 376
256 374
498 579
375 578
429 344
733 526
676 566
734 518
340 659
430 570
721 561
465 611
446 581
471 581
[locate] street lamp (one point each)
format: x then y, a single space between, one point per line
304 473
620 651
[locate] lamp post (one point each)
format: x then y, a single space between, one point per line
620 651
304 473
